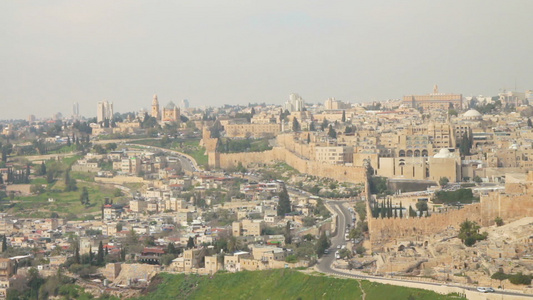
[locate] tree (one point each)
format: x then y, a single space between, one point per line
111 146
343 119
42 171
49 177
70 183
34 283
500 275
324 124
332 133
422 206
171 249
360 250
443 181
284 203
498 221
295 125
469 233
84 197
123 254
119 226
100 254
477 179
322 244
77 254
465 144
190 243
520 279
412 212
4 243
287 234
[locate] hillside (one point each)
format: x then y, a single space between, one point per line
275 284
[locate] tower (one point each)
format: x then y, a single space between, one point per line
155 108
104 110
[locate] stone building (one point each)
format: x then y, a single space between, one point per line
434 100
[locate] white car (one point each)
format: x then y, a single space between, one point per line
485 290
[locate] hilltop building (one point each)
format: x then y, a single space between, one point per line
170 113
434 100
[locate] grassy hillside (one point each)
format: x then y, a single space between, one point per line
275 284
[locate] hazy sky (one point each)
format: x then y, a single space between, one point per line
54 53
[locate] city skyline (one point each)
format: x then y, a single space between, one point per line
61 52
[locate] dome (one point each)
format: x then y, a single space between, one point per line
443 153
472 114
170 105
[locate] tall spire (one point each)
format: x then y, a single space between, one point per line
435 89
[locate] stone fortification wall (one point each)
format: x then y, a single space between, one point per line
386 230
304 150
509 207
337 172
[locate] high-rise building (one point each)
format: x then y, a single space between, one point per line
295 103
75 109
184 103
104 110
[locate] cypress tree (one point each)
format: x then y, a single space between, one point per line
4 243
91 255
100 254
43 169
284 203
77 254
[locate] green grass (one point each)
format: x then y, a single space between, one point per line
65 203
275 284
85 176
64 149
38 180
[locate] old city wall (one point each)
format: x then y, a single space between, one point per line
509 207
288 142
415 229
337 172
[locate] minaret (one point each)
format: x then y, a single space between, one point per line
155 108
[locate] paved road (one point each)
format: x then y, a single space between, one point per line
187 163
324 264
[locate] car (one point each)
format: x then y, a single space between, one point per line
485 289
326 251
338 246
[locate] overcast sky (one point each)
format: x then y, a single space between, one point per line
54 53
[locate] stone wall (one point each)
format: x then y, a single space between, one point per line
389 230
337 172
509 207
